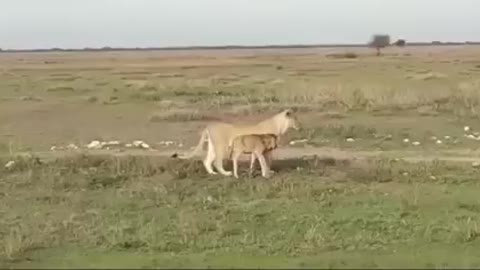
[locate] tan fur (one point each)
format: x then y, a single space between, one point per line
258 146
220 136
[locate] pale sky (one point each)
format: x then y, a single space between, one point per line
159 23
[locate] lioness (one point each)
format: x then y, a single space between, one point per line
258 146
220 136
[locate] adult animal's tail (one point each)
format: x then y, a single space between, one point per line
197 149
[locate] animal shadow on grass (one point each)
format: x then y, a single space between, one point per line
181 169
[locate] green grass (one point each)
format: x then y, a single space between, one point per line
101 211
86 211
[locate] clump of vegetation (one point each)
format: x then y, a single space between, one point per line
400 43
61 89
346 55
179 115
379 41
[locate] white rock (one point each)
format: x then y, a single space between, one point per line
432 177
475 164
113 143
439 142
406 140
137 143
470 136
466 128
298 141
72 146
94 145
416 143
405 174
350 140
145 146
53 148
9 164
447 137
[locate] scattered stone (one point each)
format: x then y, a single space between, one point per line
447 137
53 148
298 141
350 140
145 146
476 164
406 140
432 177
113 143
439 142
415 143
405 174
466 128
137 143
166 143
72 146
94 145
9 164
473 137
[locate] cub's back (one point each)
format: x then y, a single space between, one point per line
252 142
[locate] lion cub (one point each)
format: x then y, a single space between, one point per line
259 146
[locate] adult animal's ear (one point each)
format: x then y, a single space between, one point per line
288 112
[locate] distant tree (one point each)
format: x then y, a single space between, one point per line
400 43
379 42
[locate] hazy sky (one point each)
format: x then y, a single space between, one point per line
130 23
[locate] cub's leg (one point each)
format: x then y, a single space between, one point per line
253 158
268 159
263 164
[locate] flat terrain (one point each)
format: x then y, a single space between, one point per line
380 175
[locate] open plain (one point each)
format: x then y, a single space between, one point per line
384 172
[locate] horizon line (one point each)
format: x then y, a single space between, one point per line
226 47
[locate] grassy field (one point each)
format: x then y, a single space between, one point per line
74 208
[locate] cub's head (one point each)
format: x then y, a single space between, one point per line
270 141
